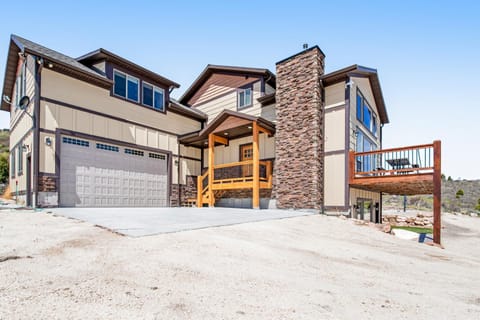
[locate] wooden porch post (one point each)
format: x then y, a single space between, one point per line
211 161
256 169
437 191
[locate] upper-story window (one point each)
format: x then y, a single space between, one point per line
153 96
126 86
365 114
244 98
20 84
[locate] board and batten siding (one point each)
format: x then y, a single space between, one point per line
231 153
334 177
75 92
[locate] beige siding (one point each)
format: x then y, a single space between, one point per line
335 130
269 89
335 180
188 167
335 95
268 112
47 153
231 153
22 178
63 88
29 91
22 126
228 102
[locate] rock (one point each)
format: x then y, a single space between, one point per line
387 228
405 234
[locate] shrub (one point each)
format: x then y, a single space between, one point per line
459 193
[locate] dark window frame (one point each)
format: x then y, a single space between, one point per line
110 71
127 76
360 116
20 159
242 90
154 88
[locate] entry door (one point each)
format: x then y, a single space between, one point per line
246 153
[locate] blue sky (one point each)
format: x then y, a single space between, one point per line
426 52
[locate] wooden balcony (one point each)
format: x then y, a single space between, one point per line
403 171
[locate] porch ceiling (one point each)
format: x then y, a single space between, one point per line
400 184
228 124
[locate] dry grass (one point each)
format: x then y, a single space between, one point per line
7 193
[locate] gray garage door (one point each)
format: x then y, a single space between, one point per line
97 174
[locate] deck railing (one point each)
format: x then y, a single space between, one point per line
410 160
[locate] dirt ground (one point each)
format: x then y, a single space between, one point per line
312 267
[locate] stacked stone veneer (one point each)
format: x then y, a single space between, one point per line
299 137
187 191
47 183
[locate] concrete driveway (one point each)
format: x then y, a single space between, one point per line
138 222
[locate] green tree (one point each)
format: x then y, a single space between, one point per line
459 194
477 207
443 177
449 178
4 167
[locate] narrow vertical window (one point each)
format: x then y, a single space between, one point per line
132 88
159 99
120 84
244 98
20 159
359 107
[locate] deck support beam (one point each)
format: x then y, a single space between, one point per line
437 192
256 168
211 162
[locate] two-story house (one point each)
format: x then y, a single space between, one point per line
100 130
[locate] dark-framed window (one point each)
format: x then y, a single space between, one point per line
12 163
367 162
365 114
21 83
244 97
20 159
153 96
126 86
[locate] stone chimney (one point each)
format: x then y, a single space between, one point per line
299 136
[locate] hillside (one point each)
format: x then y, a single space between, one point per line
4 140
465 203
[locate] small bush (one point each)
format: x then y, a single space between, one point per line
459 193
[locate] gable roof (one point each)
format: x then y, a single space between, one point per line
211 69
60 61
360 71
103 54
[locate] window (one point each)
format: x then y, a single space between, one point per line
153 96
365 114
107 147
363 144
20 159
12 163
78 142
156 156
134 152
244 98
20 84
125 86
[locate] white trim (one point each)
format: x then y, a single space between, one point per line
153 96
333 105
127 76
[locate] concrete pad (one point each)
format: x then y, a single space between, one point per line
138 222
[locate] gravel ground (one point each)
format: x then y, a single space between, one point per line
312 267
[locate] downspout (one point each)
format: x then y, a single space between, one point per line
36 129
178 177
347 145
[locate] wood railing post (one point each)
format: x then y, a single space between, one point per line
351 164
211 161
199 191
437 191
256 169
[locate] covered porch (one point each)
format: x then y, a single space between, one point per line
402 171
249 173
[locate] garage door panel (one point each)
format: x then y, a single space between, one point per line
92 177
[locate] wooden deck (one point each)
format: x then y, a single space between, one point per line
403 171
